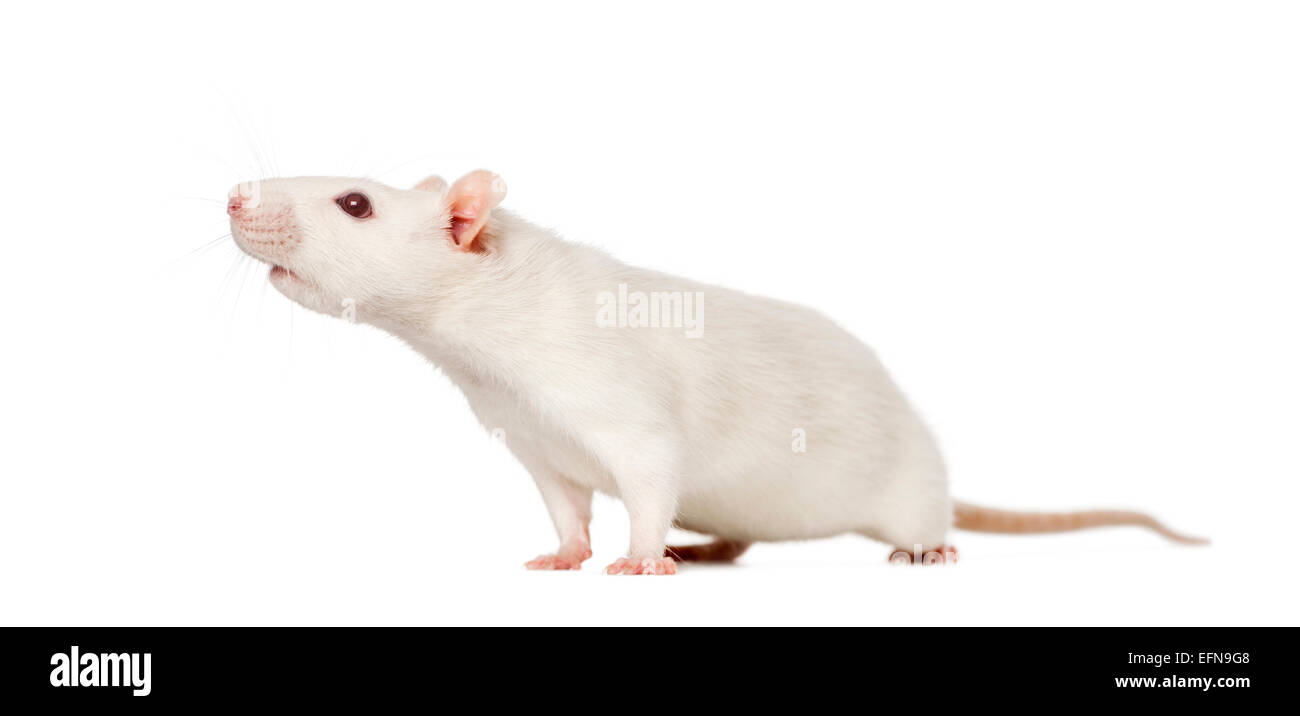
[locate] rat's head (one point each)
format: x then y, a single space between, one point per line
337 245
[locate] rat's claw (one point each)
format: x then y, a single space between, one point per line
663 565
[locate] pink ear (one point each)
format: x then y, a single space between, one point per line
434 185
471 201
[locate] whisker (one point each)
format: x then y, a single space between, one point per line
213 242
225 281
427 158
288 363
202 249
243 280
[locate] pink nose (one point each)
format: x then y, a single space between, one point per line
235 204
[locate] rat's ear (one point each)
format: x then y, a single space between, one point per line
470 200
434 185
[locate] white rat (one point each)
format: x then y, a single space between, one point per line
736 416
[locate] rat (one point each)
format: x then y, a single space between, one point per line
732 415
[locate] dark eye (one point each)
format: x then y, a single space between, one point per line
355 204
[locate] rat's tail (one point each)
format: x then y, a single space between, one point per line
984 519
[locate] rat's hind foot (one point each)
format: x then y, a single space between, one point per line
945 554
564 559
719 550
642 566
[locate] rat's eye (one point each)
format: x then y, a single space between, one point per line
355 204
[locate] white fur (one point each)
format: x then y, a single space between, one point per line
696 431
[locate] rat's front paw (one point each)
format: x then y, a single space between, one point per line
564 559
663 565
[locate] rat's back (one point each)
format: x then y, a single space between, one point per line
792 427
767 420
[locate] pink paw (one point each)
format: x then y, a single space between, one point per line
562 560
663 565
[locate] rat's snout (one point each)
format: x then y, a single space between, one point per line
262 222
243 196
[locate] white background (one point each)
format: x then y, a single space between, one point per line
1070 229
